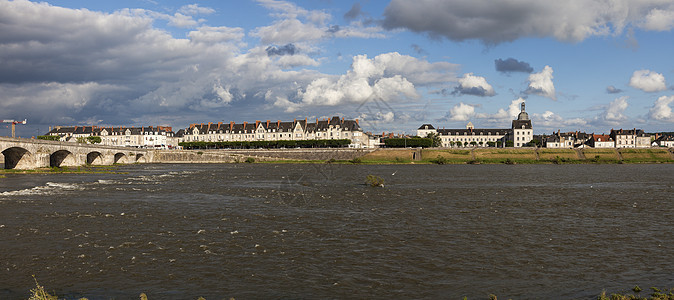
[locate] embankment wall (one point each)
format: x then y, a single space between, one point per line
219 156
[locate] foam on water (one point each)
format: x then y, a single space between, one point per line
50 188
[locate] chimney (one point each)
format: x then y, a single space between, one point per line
257 123
231 126
328 121
356 121
267 124
278 124
316 120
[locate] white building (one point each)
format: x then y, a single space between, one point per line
520 134
522 131
139 137
601 141
634 138
334 128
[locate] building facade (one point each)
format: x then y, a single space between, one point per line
520 133
161 137
333 128
634 138
522 130
601 141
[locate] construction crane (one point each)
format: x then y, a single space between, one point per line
13 124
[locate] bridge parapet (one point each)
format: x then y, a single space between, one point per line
21 153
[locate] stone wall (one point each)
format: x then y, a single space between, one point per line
219 156
304 154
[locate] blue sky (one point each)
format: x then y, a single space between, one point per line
579 65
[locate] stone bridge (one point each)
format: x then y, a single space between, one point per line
18 153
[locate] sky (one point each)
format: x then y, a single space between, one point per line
588 65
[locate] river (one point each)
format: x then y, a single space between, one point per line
268 231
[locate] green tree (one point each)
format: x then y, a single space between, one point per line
94 139
49 137
491 144
510 144
435 139
473 143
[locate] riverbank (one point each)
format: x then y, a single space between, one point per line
519 156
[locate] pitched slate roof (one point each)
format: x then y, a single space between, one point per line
519 123
473 131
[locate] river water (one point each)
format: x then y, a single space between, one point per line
266 231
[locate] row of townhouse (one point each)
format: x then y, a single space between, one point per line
139 137
520 134
332 128
621 138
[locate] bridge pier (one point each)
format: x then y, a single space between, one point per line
32 154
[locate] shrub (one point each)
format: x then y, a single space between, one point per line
94 139
49 137
509 161
250 160
374 181
356 160
440 160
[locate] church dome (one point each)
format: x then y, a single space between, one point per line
523 116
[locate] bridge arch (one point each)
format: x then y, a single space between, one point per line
18 158
140 158
62 158
120 158
94 158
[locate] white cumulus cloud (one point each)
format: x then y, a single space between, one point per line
661 110
386 77
462 112
503 116
551 120
470 84
614 113
648 81
541 84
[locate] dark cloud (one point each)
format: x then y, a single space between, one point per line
354 12
475 91
613 90
512 65
495 22
419 50
334 29
288 49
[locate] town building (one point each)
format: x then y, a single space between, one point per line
158 137
520 133
601 141
565 139
333 128
634 138
664 141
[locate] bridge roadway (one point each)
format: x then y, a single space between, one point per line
19 153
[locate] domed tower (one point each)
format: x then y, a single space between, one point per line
522 131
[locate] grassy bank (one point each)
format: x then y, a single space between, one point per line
39 293
519 156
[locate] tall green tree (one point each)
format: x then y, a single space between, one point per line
435 138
